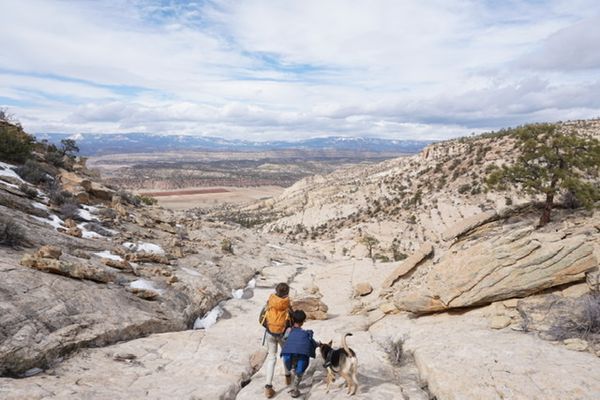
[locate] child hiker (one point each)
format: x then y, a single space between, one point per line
297 349
276 320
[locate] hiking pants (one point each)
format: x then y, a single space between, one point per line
273 342
297 362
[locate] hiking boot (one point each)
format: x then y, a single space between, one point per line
288 380
295 393
269 391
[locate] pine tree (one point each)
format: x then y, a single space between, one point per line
551 161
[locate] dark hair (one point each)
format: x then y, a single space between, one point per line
298 316
282 289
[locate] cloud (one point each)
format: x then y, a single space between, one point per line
572 48
265 69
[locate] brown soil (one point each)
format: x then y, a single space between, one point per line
185 192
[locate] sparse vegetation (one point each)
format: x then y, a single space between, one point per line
28 191
11 233
394 350
34 173
15 145
549 162
584 324
227 246
70 209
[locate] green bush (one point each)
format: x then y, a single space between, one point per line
15 145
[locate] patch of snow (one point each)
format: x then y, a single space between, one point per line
32 372
89 234
191 271
8 170
86 215
237 294
39 205
91 209
251 283
145 247
209 319
109 255
276 263
145 284
55 221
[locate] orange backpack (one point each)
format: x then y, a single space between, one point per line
275 315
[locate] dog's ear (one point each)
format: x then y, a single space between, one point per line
330 343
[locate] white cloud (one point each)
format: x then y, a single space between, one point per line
265 69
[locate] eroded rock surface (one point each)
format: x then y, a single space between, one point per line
514 264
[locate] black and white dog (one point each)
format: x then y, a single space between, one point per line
341 361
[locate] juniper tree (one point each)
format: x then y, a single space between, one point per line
550 161
370 242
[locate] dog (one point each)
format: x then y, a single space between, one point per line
341 361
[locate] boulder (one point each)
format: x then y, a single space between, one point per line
407 265
576 344
145 294
312 306
69 269
517 264
100 191
500 322
363 289
49 252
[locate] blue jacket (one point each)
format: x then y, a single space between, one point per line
300 341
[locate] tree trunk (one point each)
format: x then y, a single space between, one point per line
545 218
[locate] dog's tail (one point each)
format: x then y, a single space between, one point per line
345 345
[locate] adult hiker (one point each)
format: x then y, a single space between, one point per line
276 319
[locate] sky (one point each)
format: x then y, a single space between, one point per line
277 69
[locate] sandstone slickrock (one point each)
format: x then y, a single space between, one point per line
69 269
468 224
312 306
459 357
363 289
515 264
407 265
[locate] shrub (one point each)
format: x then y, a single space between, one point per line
130 198
28 190
570 200
58 196
584 324
99 229
33 172
464 188
395 350
147 200
227 246
107 214
15 145
70 209
11 233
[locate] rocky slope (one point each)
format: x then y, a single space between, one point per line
146 271
479 304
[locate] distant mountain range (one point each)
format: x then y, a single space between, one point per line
99 144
